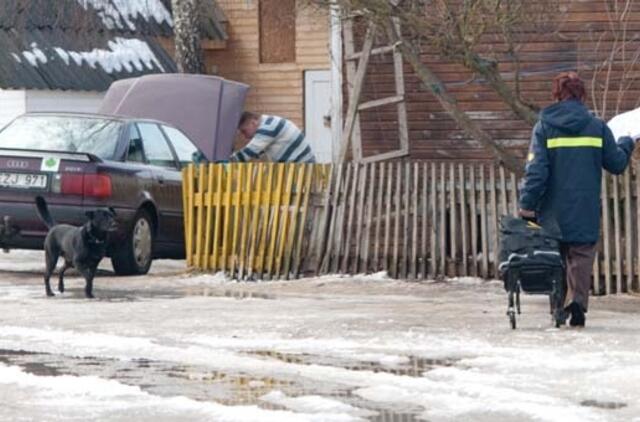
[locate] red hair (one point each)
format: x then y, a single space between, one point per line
568 86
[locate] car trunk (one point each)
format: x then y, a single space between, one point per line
63 179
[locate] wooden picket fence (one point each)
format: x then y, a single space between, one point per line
414 220
249 219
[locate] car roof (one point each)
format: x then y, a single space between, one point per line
94 116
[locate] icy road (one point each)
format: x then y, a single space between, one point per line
174 347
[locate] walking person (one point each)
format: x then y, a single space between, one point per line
277 138
568 151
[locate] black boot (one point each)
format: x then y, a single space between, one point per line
577 315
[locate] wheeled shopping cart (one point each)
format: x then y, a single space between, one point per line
530 262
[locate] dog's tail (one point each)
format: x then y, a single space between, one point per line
43 212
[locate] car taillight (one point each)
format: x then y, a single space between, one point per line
93 185
72 184
97 185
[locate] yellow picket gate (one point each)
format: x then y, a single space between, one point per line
250 220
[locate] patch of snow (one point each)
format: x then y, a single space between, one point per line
63 54
379 276
392 360
473 281
123 54
314 404
16 57
114 12
35 55
205 279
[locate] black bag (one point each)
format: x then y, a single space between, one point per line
530 249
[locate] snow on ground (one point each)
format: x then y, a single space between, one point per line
175 346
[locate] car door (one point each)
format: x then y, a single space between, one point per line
167 186
186 153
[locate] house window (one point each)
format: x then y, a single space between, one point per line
277 31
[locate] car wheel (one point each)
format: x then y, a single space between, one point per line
135 257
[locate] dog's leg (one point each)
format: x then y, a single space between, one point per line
51 259
88 274
61 279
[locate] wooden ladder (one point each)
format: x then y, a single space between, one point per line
357 63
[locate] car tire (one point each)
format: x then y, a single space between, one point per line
136 255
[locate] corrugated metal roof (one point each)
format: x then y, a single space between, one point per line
140 17
87 44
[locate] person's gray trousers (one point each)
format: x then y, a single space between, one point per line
578 259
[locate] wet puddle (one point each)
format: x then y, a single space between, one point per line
235 294
414 366
200 383
611 405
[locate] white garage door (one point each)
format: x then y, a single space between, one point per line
12 104
76 101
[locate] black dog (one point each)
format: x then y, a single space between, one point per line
81 247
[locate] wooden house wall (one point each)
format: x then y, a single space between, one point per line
434 135
276 88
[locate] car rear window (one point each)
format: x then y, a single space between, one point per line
63 133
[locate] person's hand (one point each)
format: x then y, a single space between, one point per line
526 213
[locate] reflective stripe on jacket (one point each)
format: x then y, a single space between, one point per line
569 149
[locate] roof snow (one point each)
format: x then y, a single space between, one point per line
34 55
112 12
122 54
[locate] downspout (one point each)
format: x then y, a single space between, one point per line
336 79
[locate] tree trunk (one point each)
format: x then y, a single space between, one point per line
186 27
437 88
489 70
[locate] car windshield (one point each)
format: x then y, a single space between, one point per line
94 135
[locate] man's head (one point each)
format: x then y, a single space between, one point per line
248 125
568 86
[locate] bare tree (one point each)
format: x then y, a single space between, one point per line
478 34
615 61
456 30
186 27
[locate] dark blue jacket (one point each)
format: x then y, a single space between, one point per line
569 149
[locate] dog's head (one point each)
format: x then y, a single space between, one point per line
102 219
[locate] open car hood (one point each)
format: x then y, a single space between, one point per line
205 108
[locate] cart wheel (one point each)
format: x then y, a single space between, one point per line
559 317
511 310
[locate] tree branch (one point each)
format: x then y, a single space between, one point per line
449 104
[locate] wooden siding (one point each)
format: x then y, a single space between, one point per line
275 88
434 135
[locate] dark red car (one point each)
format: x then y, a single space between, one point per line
78 162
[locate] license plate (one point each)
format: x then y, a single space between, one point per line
23 180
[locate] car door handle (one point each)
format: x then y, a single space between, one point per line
160 180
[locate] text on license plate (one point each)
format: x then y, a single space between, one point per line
23 180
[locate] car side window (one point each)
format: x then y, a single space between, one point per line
185 150
155 145
135 152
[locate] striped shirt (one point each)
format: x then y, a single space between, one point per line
279 140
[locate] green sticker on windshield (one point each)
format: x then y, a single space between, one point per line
50 164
